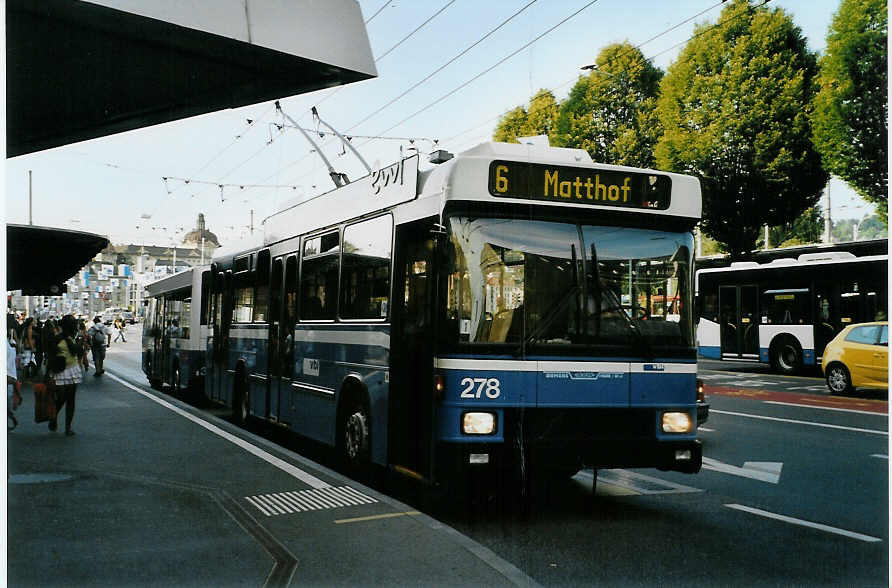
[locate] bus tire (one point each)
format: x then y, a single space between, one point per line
354 432
786 355
839 381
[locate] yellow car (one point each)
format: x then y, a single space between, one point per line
858 357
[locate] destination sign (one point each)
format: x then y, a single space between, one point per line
556 183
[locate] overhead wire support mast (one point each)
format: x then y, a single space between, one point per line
339 179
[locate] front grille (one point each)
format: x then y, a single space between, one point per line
563 426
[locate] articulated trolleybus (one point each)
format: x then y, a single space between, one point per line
786 311
175 332
507 308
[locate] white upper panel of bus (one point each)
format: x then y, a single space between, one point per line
559 177
184 279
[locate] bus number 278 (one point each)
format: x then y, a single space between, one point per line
488 386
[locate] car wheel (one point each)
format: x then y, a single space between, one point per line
838 379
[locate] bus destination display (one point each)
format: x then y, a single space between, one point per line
555 183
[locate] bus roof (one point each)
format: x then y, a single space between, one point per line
177 281
805 260
496 172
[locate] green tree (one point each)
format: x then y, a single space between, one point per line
539 119
850 117
735 112
542 114
807 228
611 112
873 227
511 126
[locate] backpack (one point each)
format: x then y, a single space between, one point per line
98 336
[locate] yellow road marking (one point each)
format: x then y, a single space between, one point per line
377 517
606 489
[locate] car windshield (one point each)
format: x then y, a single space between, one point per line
543 285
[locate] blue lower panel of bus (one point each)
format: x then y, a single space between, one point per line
585 401
808 356
710 351
326 358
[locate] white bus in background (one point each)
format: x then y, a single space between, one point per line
174 338
786 311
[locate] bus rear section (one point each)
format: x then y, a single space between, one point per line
174 335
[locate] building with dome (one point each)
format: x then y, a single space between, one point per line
201 238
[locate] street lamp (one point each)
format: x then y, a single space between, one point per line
594 68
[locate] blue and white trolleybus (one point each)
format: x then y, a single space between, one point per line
510 307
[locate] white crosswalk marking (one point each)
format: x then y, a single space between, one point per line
307 500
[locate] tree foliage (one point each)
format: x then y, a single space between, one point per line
867 228
851 109
538 120
807 228
611 112
735 111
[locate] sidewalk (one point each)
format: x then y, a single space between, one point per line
151 492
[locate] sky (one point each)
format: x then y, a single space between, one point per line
113 186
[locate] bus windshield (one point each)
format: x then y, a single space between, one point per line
541 285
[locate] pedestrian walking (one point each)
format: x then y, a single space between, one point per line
12 382
25 348
65 364
119 327
98 335
83 341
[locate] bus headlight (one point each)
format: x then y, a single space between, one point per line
478 423
677 422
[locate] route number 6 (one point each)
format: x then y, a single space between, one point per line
489 386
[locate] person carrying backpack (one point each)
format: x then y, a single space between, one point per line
98 335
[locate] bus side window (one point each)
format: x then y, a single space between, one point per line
365 276
710 310
319 278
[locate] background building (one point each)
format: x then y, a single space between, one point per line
117 276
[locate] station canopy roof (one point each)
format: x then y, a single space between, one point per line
40 259
83 69
78 70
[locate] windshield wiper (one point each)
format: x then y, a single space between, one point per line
555 311
639 337
596 296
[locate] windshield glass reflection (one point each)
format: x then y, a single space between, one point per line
542 285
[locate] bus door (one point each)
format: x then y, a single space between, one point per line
285 344
411 347
166 342
827 319
156 332
739 328
274 360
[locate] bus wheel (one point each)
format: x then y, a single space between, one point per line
838 379
356 438
786 356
